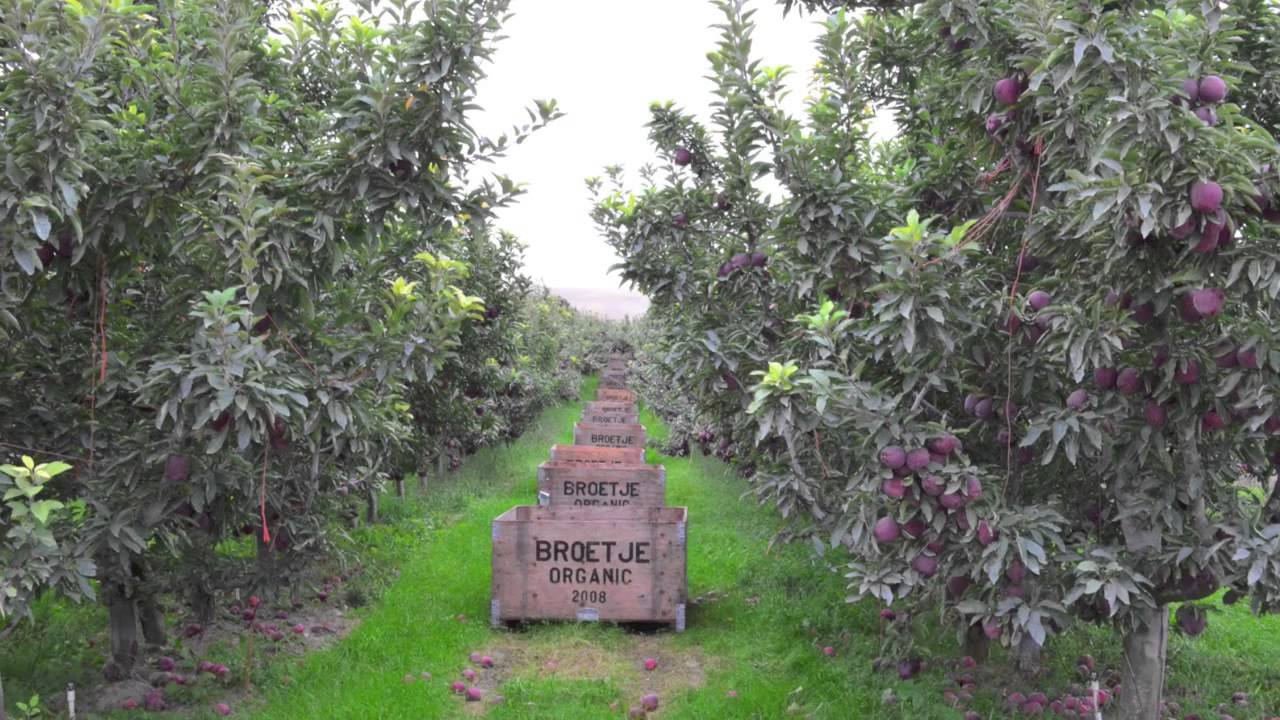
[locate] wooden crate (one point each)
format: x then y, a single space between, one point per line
638 487
587 455
613 394
612 407
623 436
592 416
590 564
613 379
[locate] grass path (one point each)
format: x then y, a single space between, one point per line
757 622
746 624
758 619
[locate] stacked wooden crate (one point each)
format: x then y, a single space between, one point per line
601 544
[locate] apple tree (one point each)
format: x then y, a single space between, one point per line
1029 353
229 242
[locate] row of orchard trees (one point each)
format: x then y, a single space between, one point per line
1020 359
246 266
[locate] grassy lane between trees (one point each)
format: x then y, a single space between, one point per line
759 620
760 617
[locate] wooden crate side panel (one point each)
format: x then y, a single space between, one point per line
615 394
607 486
613 408
620 570
596 455
622 436
600 418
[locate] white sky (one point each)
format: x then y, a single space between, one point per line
604 61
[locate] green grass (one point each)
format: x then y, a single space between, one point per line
43 657
758 630
758 619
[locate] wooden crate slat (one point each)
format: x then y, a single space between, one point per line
624 436
596 455
604 486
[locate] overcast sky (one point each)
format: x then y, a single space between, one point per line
604 61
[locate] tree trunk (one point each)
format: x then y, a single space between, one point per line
1145 646
371 500
313 487
3 715
1026 657
202 603
442 462
152 619
976 644
400 487
422 481
266 566
122 624
1142 673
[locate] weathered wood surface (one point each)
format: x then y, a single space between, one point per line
623 436
585 454
612 407
599 419
638 487
615 394
590 564
593 416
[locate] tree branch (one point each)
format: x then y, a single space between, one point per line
1200 591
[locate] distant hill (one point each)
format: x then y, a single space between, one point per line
613 304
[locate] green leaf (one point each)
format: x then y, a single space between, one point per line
40 221
70 195
1082 46
54 469
42 508
26 258
14 471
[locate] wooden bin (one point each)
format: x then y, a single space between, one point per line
590 565
636 487
612 407
623 436
615 394
586 454
606 413
613 379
